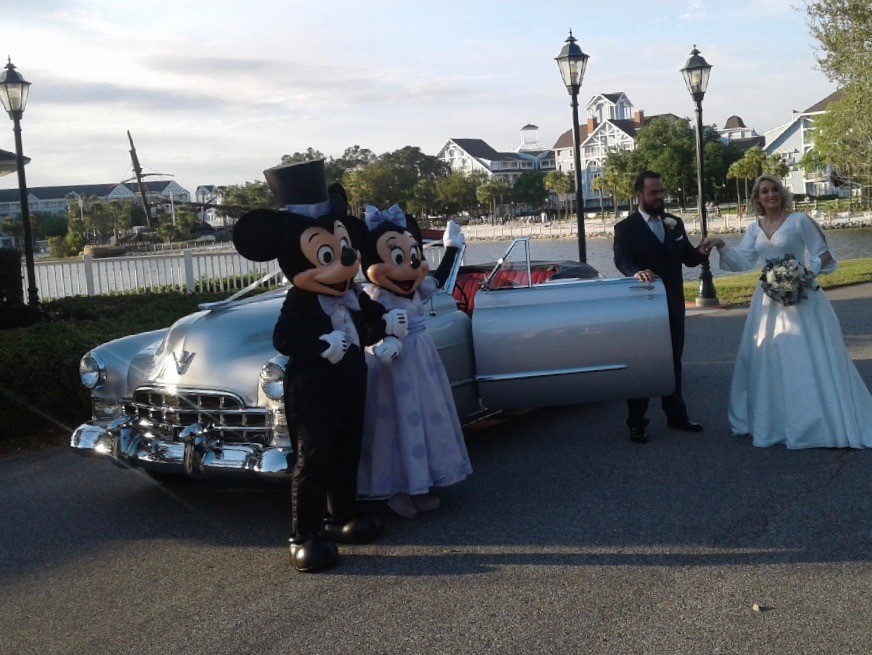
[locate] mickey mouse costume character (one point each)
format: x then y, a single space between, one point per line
322 327
412 439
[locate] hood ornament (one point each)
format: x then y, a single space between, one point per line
182 361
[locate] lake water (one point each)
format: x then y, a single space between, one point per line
848 243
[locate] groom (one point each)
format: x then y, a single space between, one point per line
651 244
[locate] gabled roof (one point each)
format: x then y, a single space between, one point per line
822 105
748 142
98 190
56 192
154 187
627 125
477 148
481 150
565 139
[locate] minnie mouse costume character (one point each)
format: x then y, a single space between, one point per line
322 326
412 439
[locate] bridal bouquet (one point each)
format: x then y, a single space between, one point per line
784 279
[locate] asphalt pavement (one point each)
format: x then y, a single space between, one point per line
567 538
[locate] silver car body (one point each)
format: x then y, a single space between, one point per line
201 398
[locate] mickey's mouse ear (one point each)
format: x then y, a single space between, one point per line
258 234
338 200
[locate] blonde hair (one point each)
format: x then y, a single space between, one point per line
786 196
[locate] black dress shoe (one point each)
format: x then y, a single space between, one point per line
315 554
684 424
361 528
637 433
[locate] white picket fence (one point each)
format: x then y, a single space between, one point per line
215 271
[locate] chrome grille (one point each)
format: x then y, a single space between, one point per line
173 410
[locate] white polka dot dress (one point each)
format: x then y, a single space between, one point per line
412 439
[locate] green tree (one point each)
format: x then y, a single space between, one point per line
74 241
669 148
52 225
493 192
843 135
717 159
423 198
13 226
561 184
393 178
311 154
457 192
620 170
237 199
530 189
599 185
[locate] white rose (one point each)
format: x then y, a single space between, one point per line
669 222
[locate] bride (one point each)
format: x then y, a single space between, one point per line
794 382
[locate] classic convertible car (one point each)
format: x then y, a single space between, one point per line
203 398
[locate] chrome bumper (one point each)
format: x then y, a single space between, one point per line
198 453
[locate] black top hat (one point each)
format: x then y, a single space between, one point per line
300 183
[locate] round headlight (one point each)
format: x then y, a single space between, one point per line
272 378
92 371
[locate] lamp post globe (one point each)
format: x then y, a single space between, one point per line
14 90
696 75
573 63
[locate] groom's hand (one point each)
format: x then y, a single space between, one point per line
705 247
645 276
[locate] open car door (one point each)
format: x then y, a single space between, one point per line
569 341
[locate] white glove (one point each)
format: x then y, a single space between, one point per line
397 323
815 266
337 344
387 350
453 237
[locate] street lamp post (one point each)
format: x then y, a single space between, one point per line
573 62
13 94
696 75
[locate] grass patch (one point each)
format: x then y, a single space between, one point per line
736 290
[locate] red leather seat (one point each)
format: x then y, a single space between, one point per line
469 282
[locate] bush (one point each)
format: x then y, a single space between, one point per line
39 365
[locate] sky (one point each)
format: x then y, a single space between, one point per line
215 92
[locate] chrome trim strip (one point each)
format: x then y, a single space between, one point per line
546 374
461 383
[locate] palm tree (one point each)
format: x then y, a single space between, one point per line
561 185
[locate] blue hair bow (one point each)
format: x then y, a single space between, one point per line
393 214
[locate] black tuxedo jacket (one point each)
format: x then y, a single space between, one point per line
302 322
636 249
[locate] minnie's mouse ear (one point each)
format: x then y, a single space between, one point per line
412 226
356 230
258 234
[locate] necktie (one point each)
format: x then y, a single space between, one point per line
657 228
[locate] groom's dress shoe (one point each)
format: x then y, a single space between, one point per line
684 424
637 433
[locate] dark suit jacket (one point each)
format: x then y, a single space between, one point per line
636 248
302 322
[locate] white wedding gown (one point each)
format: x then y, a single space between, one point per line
794 382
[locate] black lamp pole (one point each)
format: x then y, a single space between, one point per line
573 62
13 94
696 74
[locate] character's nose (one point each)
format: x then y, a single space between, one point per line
348 257
415 263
